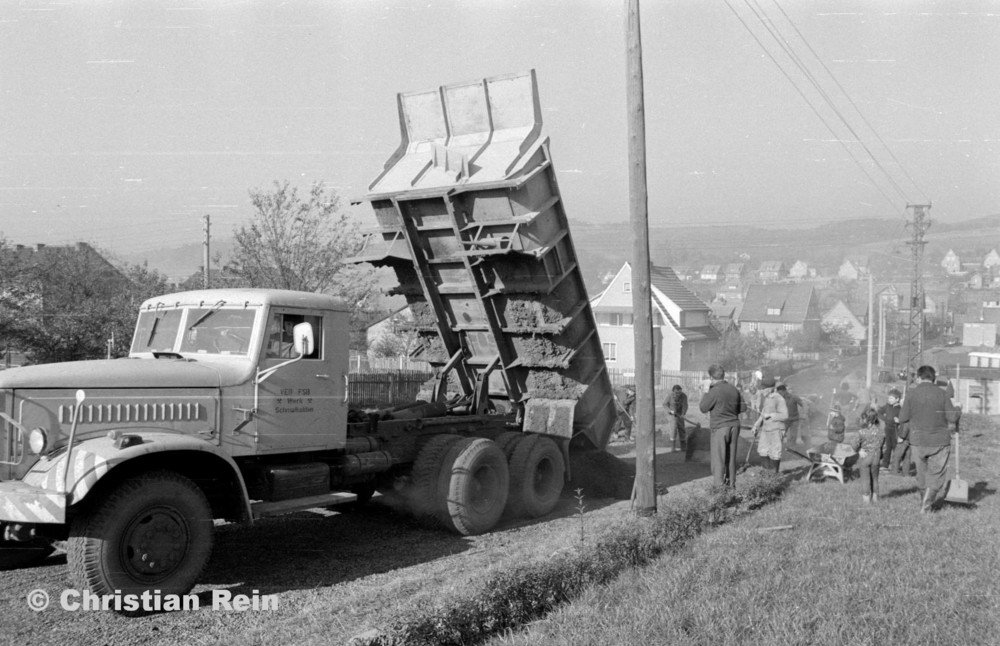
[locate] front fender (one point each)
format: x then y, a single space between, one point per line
92 459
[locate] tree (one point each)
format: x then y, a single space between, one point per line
837 336
68 302
743 352
301 244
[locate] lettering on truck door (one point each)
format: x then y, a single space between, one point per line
300 404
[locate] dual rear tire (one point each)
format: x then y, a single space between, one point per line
466 484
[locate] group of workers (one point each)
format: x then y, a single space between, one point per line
921 424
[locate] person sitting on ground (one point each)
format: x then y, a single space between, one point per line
868 444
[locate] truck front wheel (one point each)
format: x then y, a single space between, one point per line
153 532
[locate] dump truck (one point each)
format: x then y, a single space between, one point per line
234 403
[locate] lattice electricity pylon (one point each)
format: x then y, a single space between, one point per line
918 226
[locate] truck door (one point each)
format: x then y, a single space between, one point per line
302 406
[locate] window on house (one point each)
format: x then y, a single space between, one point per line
627 288
774 311
610 351
753 326
788 327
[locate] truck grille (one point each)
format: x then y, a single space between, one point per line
121 413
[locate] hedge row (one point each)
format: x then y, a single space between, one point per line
514 597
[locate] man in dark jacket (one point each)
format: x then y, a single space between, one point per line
932 417
723 403
677 407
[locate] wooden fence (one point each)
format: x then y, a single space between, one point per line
384 389
362 363
664 381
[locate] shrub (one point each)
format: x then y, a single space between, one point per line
516 596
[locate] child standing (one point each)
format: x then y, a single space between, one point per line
889 414
869 446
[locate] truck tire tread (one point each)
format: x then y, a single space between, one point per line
422 495
477 481
94 552
537 476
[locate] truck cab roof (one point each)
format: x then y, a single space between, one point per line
247 296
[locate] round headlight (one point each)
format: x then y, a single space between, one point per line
38 439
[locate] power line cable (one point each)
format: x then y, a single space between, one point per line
783 43
813 107
851 101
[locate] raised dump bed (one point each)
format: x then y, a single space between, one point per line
471 220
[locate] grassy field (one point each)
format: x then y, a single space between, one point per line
842 573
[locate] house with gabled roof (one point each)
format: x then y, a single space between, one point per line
799 270
683 337
734 272
771 270
711 273
992 259
777 309
853 268
856 323
951 262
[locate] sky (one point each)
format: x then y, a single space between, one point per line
124 123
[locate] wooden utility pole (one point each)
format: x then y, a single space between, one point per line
645 439
206 278
871 329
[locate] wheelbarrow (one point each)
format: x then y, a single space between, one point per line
829 460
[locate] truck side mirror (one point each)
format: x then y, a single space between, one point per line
304 341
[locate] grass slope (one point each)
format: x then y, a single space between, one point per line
844 573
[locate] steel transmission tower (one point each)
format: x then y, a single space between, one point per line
918 227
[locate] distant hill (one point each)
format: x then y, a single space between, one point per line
179 263
603 248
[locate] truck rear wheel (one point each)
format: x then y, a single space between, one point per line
423 494
474 484
537 475
153 532
17 554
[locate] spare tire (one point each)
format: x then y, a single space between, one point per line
474 482
537 475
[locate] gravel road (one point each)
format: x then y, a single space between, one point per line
333 574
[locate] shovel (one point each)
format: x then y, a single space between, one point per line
958 489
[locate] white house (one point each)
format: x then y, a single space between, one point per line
683 338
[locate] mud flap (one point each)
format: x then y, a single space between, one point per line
550 417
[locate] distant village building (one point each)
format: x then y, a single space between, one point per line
799 270
951 263
777 309
854 268
771 270
977 382
683 337
711 273
734 273
992 259
840 315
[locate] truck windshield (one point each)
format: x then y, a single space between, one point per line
195 330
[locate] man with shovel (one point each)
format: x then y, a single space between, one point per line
723 403
932 417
